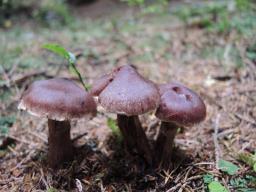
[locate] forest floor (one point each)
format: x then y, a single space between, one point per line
212 52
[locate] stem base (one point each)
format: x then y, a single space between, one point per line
134 136
164 144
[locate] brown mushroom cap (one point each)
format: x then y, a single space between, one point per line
129 93
100 84
180 105
57 99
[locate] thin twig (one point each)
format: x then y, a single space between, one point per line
79 186
43 179
78 137
181 184
26 76
23 160
215 140
42 138
241 117
22 140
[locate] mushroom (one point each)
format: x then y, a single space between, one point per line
101 84
179 106
59 100
128 94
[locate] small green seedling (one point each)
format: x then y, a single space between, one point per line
249 159
5 123
228 167
243 184
216 186
52 189
113 126
208 178
70 57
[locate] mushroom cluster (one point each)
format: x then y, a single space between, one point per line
124 92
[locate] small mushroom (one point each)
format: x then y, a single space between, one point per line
128 94
59 100
179 106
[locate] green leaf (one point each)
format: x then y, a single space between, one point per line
249 159
115 129
112 125
4 130
59 50
246 190
134 2
70 57
208 178
251 52
216 186
238 183
228 167
254 167
51 189
5 123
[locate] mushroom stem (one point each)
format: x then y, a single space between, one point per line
60 144
164 143
134 136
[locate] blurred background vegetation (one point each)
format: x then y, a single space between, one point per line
214 15
25 20
45 11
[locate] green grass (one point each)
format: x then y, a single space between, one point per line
5 123
51 13
228 56
221 16
114 128
77 33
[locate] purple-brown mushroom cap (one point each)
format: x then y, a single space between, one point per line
129 93
180 105
101 84
57 99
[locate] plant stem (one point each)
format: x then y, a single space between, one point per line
79 75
